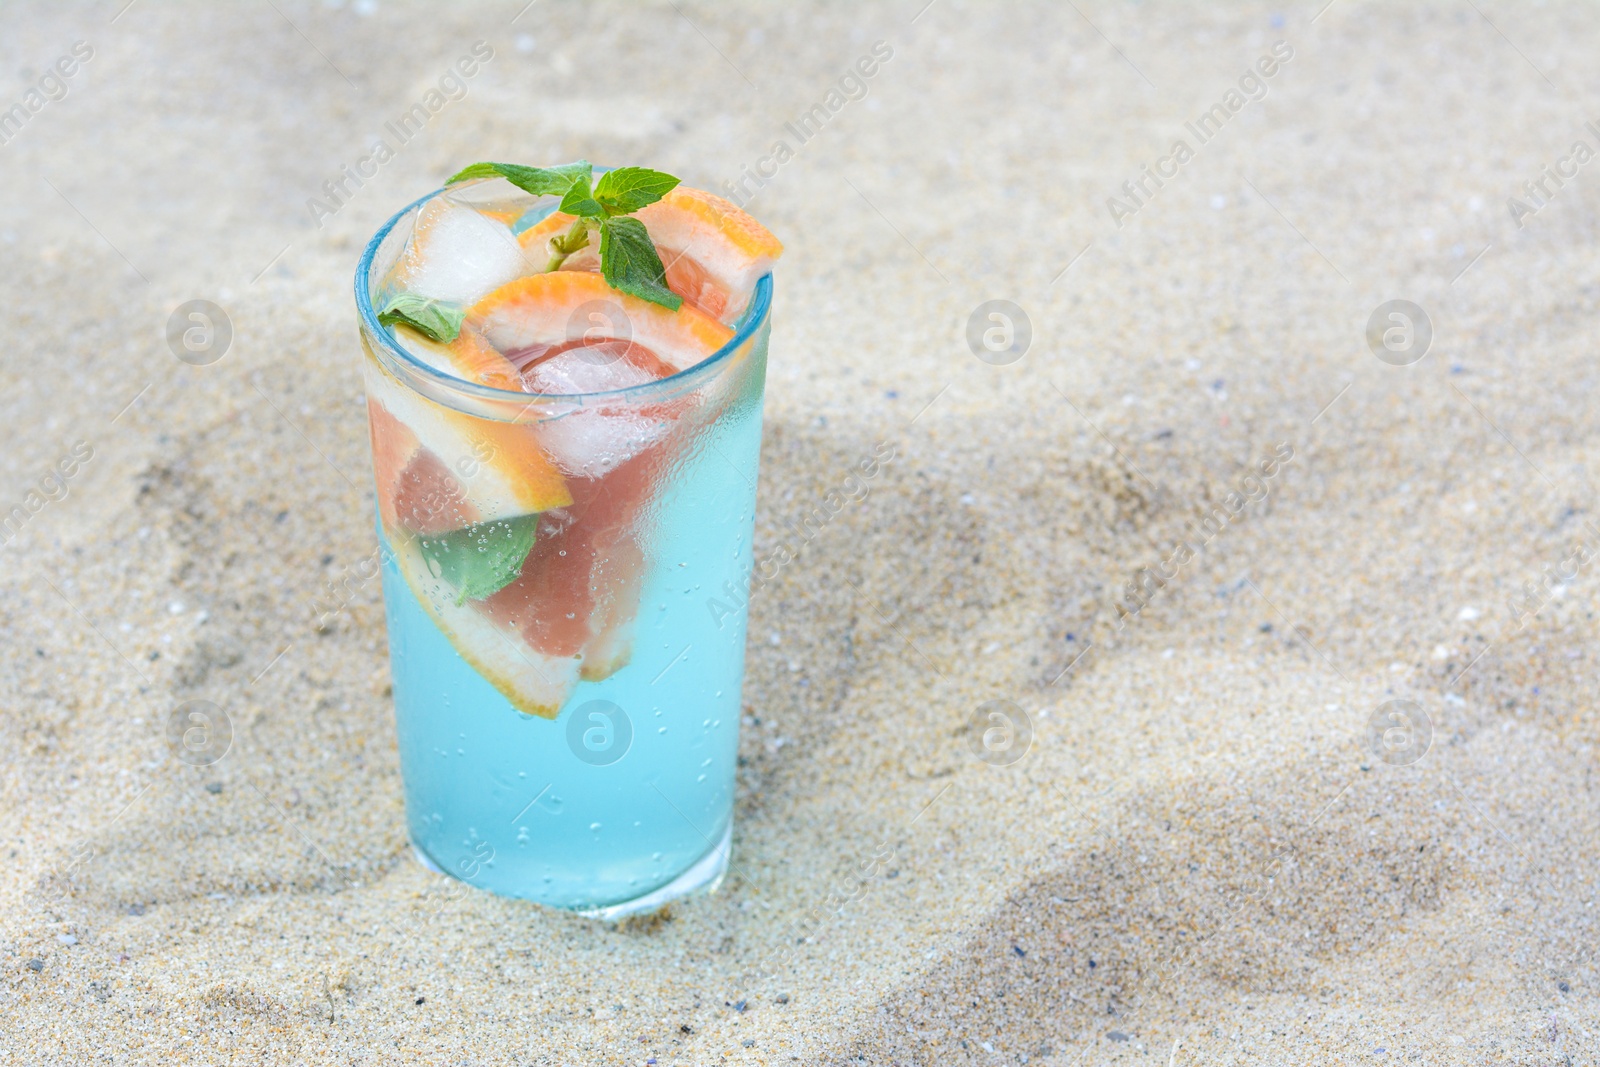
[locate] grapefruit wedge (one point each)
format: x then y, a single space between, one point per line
534 683
536 316
579 588
438 469
713 252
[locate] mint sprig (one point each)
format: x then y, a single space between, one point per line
628 257
438 320
483 558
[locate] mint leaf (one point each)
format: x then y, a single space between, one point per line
627 189
629 262
579 200
435 319
483 558
540 181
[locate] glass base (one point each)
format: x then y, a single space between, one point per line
704 876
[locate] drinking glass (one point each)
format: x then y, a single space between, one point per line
612 791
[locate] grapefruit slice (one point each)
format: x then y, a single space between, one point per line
534 683
580 585
469 357
713 252
438 469
533 316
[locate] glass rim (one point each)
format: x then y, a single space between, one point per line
390 352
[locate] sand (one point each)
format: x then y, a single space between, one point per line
1200 859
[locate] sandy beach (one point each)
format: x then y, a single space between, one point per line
1288 602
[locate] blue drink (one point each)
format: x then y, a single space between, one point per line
571 737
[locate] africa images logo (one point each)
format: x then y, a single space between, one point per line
1252 86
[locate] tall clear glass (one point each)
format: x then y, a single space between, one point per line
596 773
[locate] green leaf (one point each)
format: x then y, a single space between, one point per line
439 320
483 558
540 181
629 262
627 189
580 200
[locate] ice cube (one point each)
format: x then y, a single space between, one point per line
458 254
592 441
592 368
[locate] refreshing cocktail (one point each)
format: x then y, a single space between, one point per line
564 384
